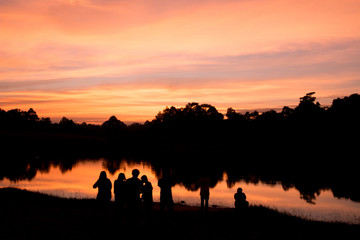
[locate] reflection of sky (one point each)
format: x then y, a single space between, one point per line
78 182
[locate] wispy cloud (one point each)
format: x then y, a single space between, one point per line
92 58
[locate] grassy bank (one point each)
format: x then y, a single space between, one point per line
29 215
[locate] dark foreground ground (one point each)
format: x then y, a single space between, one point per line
29 215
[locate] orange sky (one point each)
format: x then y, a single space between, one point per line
90 59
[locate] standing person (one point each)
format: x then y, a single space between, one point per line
133 187
147 197
120 192
204 184
240 199
166 200
146 190
104 185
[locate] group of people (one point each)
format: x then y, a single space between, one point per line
132 193
129 193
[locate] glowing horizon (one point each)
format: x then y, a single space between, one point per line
90 59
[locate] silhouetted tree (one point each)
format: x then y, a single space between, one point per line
192 113
32 116
287 112
271 115
232 115
251 116
170 115
204 112
113 123
347 108
45 123
3 118
67 123
114 127
307 108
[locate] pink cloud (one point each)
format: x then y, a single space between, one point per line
136 57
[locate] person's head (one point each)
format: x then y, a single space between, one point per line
102 175
144 178
239 190
135 172
121 177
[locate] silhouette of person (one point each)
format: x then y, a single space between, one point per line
104 185
120 192
147 196
133 187
204 184
240 199
166 200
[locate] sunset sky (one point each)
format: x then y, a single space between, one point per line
90 59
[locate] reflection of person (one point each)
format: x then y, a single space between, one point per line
166 200
120 191
240 199
204 184
103 184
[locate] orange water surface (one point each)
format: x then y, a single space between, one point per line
78 182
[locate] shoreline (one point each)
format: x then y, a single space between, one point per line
31 215
302 213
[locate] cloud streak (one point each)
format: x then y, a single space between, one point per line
90 59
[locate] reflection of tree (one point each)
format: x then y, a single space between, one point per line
112 165
17 170
66 166
187 172
310 181
309 197
25 167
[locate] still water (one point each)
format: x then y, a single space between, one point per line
77 183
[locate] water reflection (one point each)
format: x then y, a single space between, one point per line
77 183
72 177
308 184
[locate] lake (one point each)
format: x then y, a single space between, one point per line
76 180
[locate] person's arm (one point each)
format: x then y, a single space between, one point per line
96 184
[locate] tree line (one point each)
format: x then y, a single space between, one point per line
311 146
194 116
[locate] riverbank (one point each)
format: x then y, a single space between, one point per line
30 215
